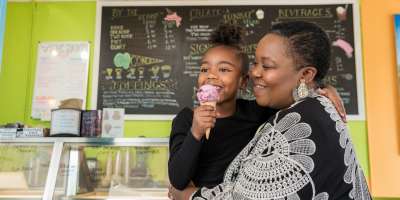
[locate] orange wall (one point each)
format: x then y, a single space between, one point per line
382 100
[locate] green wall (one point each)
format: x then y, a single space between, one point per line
14 82
29 23
57 21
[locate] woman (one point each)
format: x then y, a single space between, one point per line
304 151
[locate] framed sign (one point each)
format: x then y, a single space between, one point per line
148 53
65 122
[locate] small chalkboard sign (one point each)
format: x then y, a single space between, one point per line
148 53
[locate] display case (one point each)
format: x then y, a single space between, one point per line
84 168
24 169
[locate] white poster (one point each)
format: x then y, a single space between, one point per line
61 73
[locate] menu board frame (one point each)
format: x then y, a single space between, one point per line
359 115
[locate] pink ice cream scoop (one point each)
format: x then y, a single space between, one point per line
207 93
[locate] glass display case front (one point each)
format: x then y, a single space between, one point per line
23 169
84 168
112 171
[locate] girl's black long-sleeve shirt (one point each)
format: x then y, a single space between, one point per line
204 162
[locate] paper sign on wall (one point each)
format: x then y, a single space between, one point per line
61 73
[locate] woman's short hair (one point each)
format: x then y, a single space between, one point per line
308 44
231 36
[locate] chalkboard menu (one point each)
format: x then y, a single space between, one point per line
148 58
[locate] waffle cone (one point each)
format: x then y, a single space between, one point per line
213 104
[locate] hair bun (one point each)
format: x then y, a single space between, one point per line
228 34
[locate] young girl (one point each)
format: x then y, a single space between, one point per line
233 122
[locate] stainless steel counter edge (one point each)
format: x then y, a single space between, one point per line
114 141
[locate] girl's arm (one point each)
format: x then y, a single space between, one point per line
184 150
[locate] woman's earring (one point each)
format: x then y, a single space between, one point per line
301 91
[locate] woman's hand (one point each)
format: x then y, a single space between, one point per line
203 118
331 93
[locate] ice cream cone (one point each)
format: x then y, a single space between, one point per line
208 95
213 104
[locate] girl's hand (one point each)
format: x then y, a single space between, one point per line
204 117
331 93
184 194
170 188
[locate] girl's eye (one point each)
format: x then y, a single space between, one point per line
224 69
267 66
203 69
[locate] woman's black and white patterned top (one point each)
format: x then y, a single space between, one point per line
303 152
